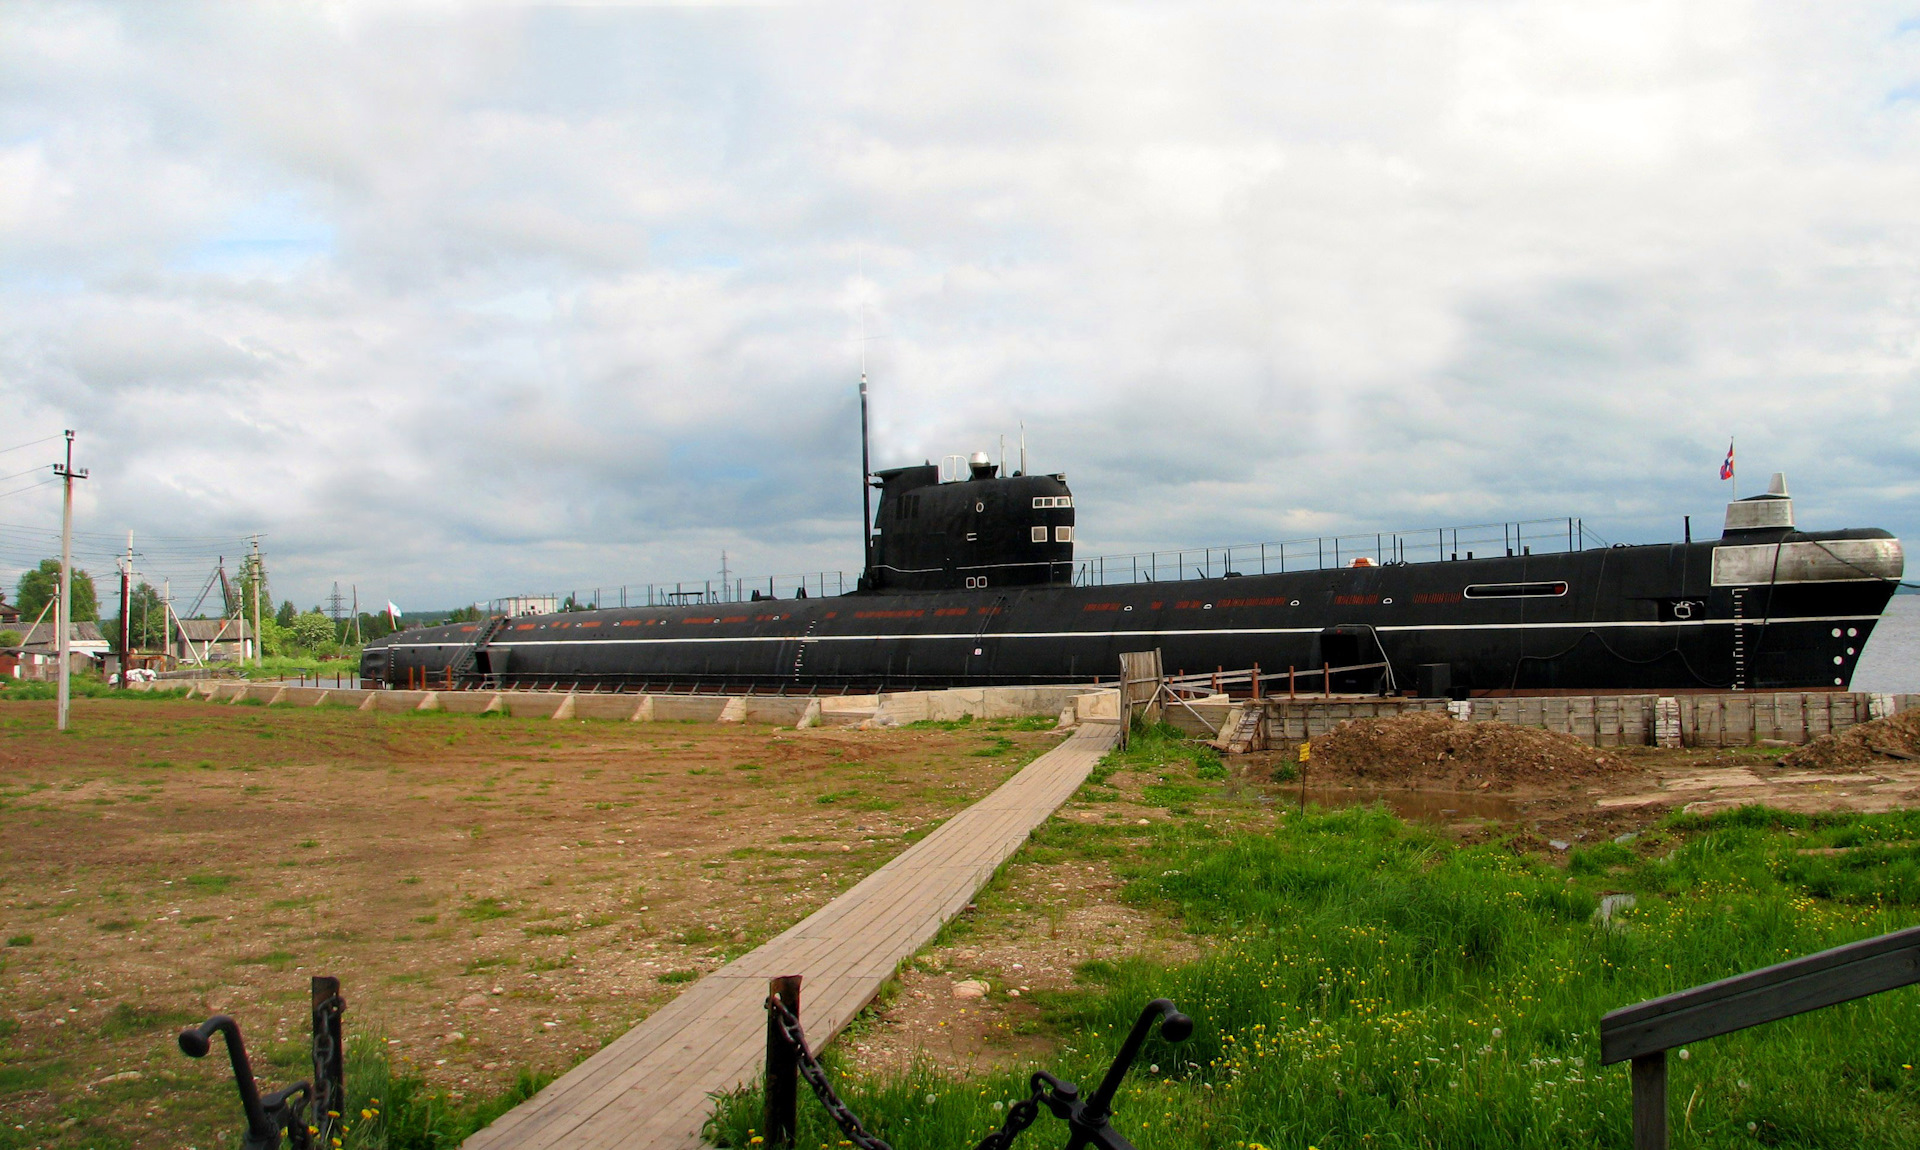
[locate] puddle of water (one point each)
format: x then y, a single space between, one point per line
1414 806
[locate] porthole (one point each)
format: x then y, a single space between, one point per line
1128 607
1849 650
1387 602
979 506
1853 632
1836 660
1838 683
1208 607
1294 603
1836 632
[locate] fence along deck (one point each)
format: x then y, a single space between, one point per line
648 1090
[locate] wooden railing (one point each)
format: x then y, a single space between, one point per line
1264 685
1646 1031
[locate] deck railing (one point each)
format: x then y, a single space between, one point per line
1425 545
693 593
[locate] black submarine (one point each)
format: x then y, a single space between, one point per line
970 580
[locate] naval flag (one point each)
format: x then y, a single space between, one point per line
1726 468
393 613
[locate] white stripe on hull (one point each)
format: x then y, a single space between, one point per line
972 636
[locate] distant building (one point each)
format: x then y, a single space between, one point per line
210 641
37 654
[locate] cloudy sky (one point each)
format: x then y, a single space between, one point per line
453 301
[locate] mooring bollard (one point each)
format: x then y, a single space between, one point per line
783 1065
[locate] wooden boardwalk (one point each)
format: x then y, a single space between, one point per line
649 1089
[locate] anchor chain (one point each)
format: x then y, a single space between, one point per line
816 1077
1019 1116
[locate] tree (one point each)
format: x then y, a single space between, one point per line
286 614
275 639
149 629
313 631
243 587
10 638
42 584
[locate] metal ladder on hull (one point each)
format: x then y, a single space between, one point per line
466 661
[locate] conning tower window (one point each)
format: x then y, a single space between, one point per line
1040 501
1063 535
1038 535
1515 590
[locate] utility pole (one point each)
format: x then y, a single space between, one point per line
67 475
259 577
126 613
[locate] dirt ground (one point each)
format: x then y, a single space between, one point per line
496 894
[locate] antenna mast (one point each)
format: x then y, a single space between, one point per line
866 463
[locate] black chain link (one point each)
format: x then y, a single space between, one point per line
816 1077
1019 1117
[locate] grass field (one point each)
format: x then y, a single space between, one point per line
1364 982
499 896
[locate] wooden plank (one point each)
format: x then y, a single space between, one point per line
1765 995
649 1088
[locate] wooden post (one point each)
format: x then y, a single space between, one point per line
1326 680
783 1067
1650 1101
1256 682
1291 696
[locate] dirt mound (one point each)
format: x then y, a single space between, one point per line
1432 746
1894 737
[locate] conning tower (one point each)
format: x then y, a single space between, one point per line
974 530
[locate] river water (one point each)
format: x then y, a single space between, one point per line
1891 662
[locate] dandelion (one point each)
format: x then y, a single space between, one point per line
932 1098
1684 1055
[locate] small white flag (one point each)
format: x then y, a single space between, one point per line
393 612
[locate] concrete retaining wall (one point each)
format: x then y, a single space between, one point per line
469 702
1068 703
688 708
1721 720
620 708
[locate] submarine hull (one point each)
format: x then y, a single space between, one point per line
1787 612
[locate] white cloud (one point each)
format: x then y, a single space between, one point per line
455 301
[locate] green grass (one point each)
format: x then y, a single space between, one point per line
78 687
1364 982
485 909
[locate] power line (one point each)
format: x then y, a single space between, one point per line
30 443
29 487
